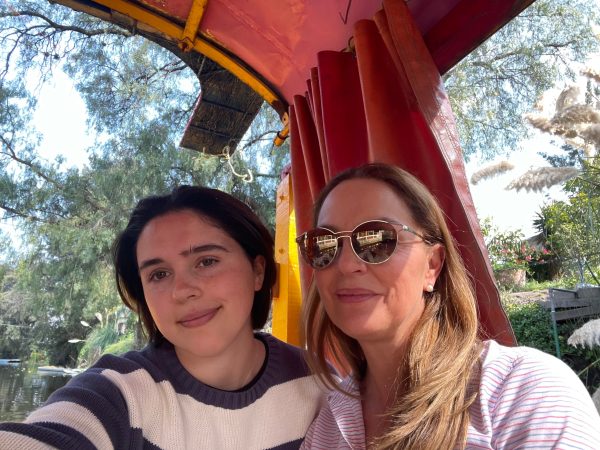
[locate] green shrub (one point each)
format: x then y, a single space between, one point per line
531 324
584 361
95 343
123 345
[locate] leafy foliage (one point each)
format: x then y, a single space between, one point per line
574 224
532 326
510 250
138 98
499 81
123 345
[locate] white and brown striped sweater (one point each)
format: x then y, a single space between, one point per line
147 400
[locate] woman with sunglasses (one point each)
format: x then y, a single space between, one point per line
197 267
393 307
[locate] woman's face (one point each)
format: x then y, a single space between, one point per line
198 283
374 302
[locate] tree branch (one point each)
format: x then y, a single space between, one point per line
62 28
12 155
21 214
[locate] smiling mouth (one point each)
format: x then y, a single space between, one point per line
354 296
199 319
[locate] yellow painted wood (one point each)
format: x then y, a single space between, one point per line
284 132
203 46
287 302
192 24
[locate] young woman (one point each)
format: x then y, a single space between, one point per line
393 306
197 267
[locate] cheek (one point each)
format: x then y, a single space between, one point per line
322 280
157 311
153 289
157 296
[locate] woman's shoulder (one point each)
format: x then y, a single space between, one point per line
499 362
527 381
340 421
525 370
525 395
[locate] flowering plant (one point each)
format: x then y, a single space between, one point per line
507 249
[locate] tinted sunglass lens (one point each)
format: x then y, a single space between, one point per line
321 247
374 242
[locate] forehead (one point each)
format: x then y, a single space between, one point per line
358 200
178 228
185 218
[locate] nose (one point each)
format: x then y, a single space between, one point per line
346 259
185 287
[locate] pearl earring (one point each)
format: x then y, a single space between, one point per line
429 288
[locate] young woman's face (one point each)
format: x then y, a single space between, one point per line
373 302
198 283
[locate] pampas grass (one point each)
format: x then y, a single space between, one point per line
592 135
491 171
588 335
567 98
592 74
576 123
576 115
535 180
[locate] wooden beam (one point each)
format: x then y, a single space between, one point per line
192 25
287 300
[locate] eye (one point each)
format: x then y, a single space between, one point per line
158 275
207 261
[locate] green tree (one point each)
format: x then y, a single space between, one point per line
139 97
500 80
569 228
574 224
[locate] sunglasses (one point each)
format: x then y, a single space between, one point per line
373 242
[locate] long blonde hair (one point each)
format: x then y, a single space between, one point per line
432 410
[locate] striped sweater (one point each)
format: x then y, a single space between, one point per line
527 400
147 400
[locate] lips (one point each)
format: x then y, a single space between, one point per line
354 295
198 318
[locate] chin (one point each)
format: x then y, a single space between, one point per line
357 331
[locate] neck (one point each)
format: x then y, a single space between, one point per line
383 374
230 370
381 386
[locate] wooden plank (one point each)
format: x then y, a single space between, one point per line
570 303
560 294
578 312
592 293
287 301
565 298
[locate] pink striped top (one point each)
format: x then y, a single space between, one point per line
527 399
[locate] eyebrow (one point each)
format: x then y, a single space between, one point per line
185 253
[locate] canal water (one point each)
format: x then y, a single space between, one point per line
23 390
